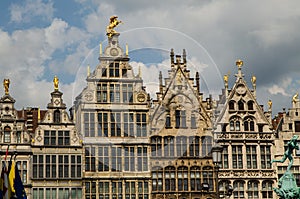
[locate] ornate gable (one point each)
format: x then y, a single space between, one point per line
180 98
241 111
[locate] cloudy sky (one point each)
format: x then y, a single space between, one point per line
40 39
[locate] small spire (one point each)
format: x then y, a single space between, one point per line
100 48
172 56
198 81
160 82
39 114
126 50
184 56
140 71
88 70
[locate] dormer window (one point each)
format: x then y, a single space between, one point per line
250 105
168 121
114 70
241 105
231 105
56 118
7 134
235 124
180 118
248 124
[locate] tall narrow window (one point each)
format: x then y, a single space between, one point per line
238 189
181 146
141 125
206 145
128 124
7 134
102 124
250 105
89 124
18 135
208 177
193 121
169 146
241 105
180 119
251 157
90 190
182 175
267 190
129 158
90 160
127 92
157 179
115 123
265 157
225 164
142 159
237 157
194 146
195 179
231 105
237 126
156 146
170 184
168 121
116 159
104 190
253 189
56 116
103 158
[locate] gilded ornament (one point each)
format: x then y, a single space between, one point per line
113 22
55 82
6 83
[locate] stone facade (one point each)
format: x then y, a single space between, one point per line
112 115
248 139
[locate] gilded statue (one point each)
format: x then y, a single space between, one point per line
239 63
270 104
295 97
253 79
225 77
55 82
6 83
113 22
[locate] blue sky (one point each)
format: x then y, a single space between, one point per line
43 38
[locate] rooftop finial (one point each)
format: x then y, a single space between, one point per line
113 22
6 83
55 82
239 63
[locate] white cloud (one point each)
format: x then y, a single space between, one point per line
275 89
29 9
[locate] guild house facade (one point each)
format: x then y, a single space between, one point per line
117 143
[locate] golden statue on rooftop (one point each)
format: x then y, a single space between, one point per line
113 22
296 97
225 77
6 83
253 79
239 63
55 82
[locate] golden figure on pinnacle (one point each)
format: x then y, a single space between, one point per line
6 83
113 22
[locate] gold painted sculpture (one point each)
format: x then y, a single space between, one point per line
239 63
270 104
295 97
55 82
253 79
113 22
6 86
225 77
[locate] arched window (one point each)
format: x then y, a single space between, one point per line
169 146
238 189
250 105
56 118
231 105
206 145
168 121
193 121
224 188
180 118
249 124
267 191
235 124
241 105
195 179
7 134
253 189
156 146
170 179
157 179
182 175
208 177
